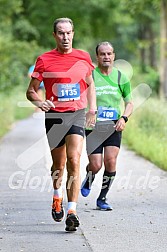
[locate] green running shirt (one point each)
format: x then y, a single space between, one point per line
108 94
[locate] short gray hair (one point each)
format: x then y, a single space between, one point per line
62 20
103 43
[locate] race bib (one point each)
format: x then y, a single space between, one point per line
68 92
105 113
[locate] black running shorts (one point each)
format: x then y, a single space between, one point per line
96 139
59 125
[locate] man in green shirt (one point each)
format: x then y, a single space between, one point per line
112 87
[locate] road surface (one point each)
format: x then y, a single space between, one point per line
137 223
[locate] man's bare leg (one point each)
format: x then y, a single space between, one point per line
59 159
74 145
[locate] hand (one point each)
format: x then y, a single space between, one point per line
90 120
47 105
120 125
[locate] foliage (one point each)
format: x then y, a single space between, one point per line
16 56
24 30
29 25
150 77
7 10
146 134
9 110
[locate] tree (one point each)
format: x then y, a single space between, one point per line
15 51
163 51
146 14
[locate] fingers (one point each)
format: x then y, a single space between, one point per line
90 120
48 104
51 99
45 106
120 125
90 124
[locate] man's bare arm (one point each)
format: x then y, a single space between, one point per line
32 96
91 93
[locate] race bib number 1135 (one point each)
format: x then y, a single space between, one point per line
68 92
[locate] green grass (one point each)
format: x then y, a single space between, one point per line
146 132
10 111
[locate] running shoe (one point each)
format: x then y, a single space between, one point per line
103 205
87 183
85 187
57 209
72 221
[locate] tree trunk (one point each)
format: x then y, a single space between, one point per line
152 51
143 55
163 61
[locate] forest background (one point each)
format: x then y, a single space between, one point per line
138 31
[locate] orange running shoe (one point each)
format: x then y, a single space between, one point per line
57 209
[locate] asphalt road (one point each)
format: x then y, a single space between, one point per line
137 223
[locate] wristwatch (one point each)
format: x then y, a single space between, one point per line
93 112
125 118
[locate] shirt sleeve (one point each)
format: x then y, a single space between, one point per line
90 65
38 70
127 92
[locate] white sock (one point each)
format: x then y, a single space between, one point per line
58 193
71 206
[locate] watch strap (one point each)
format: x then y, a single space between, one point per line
125 118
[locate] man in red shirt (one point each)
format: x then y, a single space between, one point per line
67 76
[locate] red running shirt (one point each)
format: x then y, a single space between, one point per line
64 78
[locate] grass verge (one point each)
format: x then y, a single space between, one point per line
10 112
146 132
